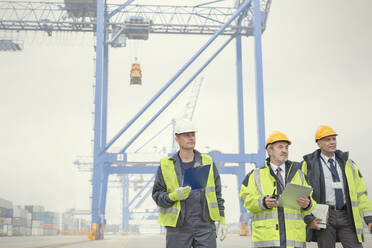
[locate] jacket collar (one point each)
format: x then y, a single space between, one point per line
343 156
197 157
287 164
177 164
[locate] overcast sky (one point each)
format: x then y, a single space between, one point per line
317 70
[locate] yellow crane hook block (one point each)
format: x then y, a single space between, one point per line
136 74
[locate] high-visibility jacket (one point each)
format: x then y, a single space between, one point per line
358 202
265 222
169 216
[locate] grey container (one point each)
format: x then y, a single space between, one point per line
37 231
2 212
5 221
37 224
19 231
37 216
19 212
6 230
5 204
35 208
20 222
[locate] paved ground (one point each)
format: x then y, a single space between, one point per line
130 241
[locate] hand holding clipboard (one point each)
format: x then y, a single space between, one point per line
196 177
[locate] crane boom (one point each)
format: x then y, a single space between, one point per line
165 19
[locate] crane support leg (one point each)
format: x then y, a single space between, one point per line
259 83
125 211
100 174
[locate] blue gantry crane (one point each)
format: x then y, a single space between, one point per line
110 24
188 113
85 164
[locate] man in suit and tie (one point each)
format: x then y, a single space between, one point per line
337 182
273 225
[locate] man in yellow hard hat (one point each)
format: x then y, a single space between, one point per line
189 215
337 182
273 225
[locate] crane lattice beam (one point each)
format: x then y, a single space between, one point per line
191 103
164 19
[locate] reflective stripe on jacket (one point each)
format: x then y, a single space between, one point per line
267 223
168 216
357 201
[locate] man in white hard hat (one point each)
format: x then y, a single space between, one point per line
189 215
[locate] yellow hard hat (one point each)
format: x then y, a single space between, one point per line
275 137
324 131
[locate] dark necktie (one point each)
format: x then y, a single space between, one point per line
279 176
338 192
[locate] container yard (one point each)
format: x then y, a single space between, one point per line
133 123
31 220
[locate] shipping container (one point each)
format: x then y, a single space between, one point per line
2 212
29 220
29 209
47 232
8 221
37 231
39 209
8 213
19 212
6 230
5 221
5 204
10 230
20 222
48 226
20 231
37 224
35 208
50 232
37 216
48 217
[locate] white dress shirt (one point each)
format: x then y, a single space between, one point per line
328 180
282 172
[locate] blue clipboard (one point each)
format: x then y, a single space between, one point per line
196 177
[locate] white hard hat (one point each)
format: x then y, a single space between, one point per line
184 126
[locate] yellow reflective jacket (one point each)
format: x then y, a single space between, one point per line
277 226
358 203
169 216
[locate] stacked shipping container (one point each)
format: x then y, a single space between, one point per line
6 212
21 222
34 220
37 221
51 223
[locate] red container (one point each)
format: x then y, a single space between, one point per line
48 226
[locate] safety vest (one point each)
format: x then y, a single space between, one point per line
169 216
265 222
360 204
